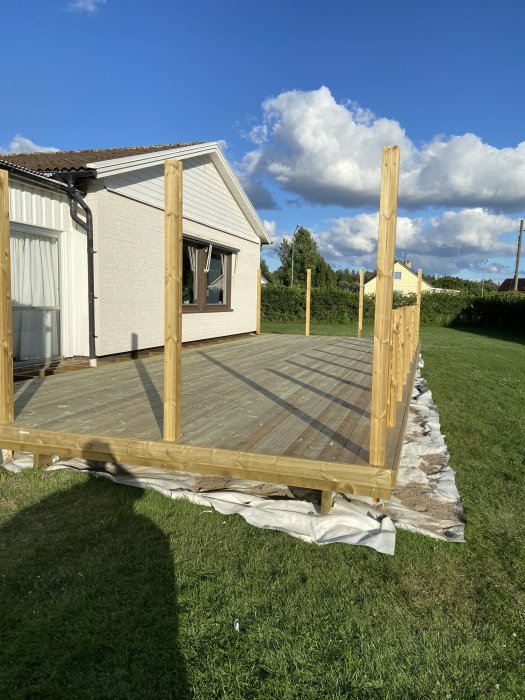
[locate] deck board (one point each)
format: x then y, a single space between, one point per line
295 396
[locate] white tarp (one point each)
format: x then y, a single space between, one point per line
425 501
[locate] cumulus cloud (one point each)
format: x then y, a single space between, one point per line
20 144
329 153
441 244
89 6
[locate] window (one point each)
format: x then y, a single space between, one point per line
397 275
206 278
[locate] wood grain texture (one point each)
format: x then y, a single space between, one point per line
172 299
383 309
258 309
308 299
6 310
361 302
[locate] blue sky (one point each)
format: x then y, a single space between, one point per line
304 94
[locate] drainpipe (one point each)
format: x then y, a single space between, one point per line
87 225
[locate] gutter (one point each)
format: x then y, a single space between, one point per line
74 199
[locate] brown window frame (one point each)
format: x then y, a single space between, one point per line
202 254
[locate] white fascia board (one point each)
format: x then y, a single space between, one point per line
116 166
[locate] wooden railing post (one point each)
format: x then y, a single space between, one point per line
418 298
308 295
6 309
172 299
361 303
383 311
258 311
394 374
401 361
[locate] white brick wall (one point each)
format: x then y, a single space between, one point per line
129 284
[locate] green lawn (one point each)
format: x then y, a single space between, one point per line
111 592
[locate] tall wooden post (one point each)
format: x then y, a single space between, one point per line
258 310
6 309
386 246
418 302
172 299
518 256
394 361
308 295
361 299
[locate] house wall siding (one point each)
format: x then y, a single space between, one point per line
129 276
206 197
47 210
406 285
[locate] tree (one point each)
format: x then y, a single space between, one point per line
265 270
305 253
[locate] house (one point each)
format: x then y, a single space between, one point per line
405 280
87 246
508 285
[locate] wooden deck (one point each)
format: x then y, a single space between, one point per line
305 397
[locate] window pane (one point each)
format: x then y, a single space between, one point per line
216 281
397 275
190 258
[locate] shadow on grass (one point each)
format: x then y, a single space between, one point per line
88 607
495 332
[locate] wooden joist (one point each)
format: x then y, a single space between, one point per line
326 476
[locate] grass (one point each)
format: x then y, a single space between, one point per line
108 591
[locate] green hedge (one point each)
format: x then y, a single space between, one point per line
280 303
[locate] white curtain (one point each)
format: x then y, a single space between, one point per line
35 294
193 256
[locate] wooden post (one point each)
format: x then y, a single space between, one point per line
172 299
401 355
308 295
327 498
6 309
418 294
392 401
258 312
361 299
386 245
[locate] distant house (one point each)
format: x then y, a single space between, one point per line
61 201
508 285
405 280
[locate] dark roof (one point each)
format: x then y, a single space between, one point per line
59 161
508 285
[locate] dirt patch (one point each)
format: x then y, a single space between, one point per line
432 463
418 498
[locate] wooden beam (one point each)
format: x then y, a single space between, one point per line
258 310
327 499
308 296
394 373
6 309
361 302
355 479
172 299
418 301
383 310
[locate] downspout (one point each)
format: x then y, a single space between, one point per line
87 225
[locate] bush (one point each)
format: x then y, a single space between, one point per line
280 303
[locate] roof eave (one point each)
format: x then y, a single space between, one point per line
116 166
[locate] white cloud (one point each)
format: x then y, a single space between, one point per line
20 144
444 244
271 228
330 153
85 5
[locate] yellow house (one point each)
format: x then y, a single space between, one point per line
405 280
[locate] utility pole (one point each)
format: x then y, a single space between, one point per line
518 256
